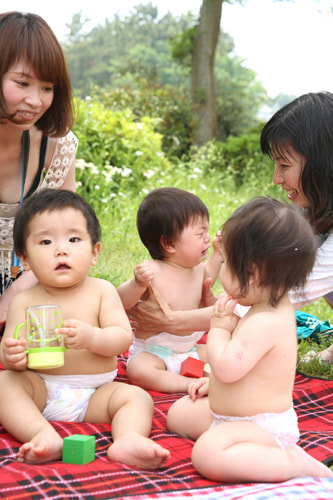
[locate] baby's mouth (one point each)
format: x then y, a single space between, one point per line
62 266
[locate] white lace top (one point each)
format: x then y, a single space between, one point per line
53 177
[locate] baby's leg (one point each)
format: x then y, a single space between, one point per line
244 452
130 409
189 418
22 399
149 371
202 352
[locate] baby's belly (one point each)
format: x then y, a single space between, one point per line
83 361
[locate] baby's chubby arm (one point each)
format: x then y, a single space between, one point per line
132 290
113 336
222 325
214 261
13 350
235 346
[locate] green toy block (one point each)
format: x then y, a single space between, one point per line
78 449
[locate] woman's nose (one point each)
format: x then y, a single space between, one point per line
33 97
277 176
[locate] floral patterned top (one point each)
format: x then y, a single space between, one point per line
53 177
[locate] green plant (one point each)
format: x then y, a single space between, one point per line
116 154
170 107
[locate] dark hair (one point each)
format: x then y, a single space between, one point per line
48 200
306 125
273 238
163 214
28 38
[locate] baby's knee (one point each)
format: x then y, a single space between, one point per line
135 395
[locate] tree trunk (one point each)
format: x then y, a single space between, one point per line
202 70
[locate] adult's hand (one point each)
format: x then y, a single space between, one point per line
152 315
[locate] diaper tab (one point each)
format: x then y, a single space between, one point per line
159 350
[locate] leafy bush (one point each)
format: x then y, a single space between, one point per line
169 106
241 160
116 153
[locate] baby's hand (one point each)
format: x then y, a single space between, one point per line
217 242
198 388
143 274
77 334
223 314
15 353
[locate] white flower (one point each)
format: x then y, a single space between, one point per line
79 163
126 172
115 170
148 174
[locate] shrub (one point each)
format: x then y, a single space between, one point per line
170 107
116 153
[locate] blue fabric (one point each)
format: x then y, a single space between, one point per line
308 325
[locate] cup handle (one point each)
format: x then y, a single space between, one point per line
17 329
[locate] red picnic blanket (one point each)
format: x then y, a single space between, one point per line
102 479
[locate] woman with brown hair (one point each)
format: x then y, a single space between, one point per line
37 147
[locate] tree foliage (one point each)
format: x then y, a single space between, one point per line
142 51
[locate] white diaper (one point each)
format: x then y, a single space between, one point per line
171 349
282 426
68 396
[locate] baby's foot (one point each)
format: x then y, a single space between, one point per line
139 452
307 465
43 447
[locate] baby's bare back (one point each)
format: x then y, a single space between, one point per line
266 383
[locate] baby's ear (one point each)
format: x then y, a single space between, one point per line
254 277
23 260
167 245
96 251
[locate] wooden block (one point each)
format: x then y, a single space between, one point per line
78 449
192 367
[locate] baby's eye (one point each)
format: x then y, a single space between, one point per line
46 242
74 239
